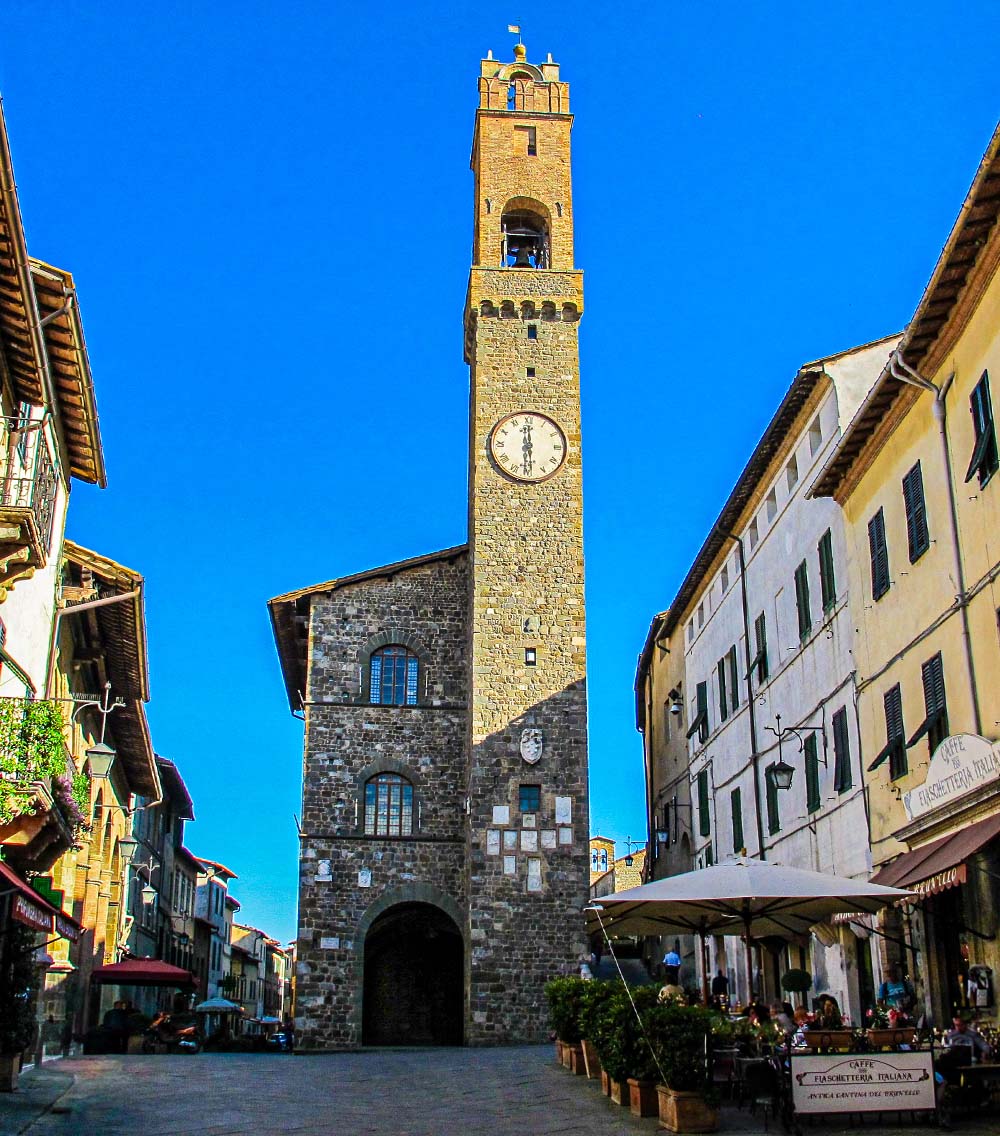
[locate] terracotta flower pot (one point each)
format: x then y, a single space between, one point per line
824 1039
619 1092
890 1038
590 1059
642 1097
559 1046
685 1112
576 1061
10 1070
605 1082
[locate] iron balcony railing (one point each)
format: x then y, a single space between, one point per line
35 491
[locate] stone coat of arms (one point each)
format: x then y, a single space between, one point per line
531 744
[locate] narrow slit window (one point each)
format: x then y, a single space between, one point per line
532 330
528 137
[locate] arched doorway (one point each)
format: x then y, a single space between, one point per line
414 978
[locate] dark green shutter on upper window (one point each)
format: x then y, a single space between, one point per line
984 451
773 816
879 555
917 537
827 578
699 724
802 600
723 698
895 732
760 631
813 799
932 673
734 679
736 804
704 816
843 778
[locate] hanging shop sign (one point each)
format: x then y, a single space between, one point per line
875 1082
31 914
959 765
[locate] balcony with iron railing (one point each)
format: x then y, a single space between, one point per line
27 501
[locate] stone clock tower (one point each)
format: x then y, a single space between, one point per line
527 765
444 853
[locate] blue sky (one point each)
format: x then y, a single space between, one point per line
267 209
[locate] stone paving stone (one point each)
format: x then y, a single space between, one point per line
442 1092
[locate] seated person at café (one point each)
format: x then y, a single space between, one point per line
962 1034
782 1013
828 1017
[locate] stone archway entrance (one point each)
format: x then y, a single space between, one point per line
414 978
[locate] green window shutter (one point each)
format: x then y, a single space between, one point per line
813 798
935 703
879 555
917 537
773 816
723 697
704 816
843 778
895 732
736 804
760 631
984 453
802 600
827 578
734 679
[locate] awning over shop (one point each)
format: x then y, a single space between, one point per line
28 907
940 864
142 972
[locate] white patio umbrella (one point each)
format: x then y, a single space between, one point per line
752 898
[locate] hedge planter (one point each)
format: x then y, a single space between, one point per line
591 1060
559 1047
10 1069
685 1112
619 1093
605 1083
576 1061
642 1097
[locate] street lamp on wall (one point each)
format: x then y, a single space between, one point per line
127 846
781 773
100 758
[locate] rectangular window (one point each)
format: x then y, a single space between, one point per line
813 798
895 732
771 506
843 778
754 533
815 435
827 577
879 555
917 537
704 815
760 660
736 805
724 578
984 452
935 723
734 679
530 372
530 798
699 724
530 136
792 473
802 601
701 614
723 696
532 330
773 816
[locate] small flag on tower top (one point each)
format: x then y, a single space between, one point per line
514 29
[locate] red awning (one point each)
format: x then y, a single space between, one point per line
28 907
940 864
142 972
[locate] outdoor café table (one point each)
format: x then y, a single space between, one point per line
985 1076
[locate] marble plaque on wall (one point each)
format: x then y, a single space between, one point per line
529 840
549 838
509 840
534 874
492 842
501 814
564 810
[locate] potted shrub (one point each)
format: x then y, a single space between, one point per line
17 1019
796 981
888 1029
681 1039
592 1003
565 996
626 1059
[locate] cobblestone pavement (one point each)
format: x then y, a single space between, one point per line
444 1092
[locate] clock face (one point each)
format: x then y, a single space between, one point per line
528 446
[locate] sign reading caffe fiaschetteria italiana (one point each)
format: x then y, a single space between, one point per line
961 764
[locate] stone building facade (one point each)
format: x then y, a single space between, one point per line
444 854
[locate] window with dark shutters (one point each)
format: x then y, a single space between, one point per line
723 696
894 750
760 658
736 805
704 816
813 799
699 725
917 537
879 554
935 723
734 679
984 451
843 778
802 600
827 577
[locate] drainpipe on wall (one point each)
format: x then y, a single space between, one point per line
900 370
754 750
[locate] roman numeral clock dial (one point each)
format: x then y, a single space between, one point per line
528 446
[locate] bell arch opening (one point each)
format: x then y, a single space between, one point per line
414 978
524 235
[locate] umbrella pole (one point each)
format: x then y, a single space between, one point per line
749 952
704 967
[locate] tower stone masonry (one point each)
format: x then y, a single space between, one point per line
444 853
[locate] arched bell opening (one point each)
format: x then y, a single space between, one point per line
414 978
524 238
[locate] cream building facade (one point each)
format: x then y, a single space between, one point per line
916 474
